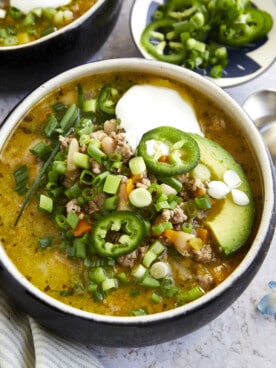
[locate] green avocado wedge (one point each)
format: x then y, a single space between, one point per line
230 223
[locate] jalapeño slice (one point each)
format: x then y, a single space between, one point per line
168 151
118 233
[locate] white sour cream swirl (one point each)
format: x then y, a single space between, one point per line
145 107
27 5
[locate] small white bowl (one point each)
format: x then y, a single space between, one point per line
244 64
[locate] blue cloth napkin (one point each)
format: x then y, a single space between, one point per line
26 344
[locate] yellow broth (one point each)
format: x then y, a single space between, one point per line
17 28
50 269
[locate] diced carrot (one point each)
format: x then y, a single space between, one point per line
170 234
82 228
202 233
129 186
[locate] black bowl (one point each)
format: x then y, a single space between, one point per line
156 328
26 66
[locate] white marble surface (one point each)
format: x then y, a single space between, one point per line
240 337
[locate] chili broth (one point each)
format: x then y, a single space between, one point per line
50 269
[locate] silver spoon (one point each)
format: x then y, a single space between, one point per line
261 108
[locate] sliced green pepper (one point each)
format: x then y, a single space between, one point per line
156 43
250 27
118 233
107 100
267 24
183 9
182 151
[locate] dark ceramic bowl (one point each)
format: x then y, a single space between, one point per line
151 329
26 66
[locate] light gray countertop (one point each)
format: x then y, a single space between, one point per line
241 336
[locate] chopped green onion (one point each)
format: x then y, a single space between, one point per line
59 167
85 127
152 253
109 283
102 262
45 203
45 242
190 209
92 287
111 203
187 296
61 221
29 20
59 107
97 275
21 176
80 248
86 177
89 105
81 160
69 118
41 150
99 180
88 194
139 312
187 227
111 184
159 270
137 165
157 247
161 205
65 293
14 12
173 182
138 271
134 292
84 139
72 219
50 126
98 295
74 191
150 282
48 30
155 298
140 197
122 276
95 152
149 258
115 156
168 288
158 229
203 202
116 166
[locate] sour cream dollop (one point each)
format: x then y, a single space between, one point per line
27 5
145 107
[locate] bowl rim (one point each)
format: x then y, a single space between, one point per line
267 222
73 25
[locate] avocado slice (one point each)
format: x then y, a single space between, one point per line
230 223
